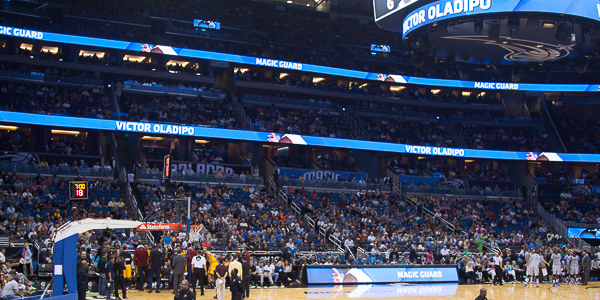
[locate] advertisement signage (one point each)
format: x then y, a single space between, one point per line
159 226
200 168
288 65
255 136
321 174
383 274
447 9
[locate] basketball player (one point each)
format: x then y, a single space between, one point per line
533 267
556 267
573 268
211 264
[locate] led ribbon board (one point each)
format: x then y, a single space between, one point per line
288 65
447 9
381 274
265 137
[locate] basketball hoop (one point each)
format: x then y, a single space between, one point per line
195 232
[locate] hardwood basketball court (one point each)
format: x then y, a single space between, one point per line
410 291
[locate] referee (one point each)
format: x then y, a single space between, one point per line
498 268
200 271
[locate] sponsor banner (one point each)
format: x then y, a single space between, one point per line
447 9
320 174
384 291
159 226
288 65
199 168
265 137
384 274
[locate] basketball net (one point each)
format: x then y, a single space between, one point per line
195 233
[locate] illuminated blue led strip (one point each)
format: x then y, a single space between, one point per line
447 9
207 132
288 65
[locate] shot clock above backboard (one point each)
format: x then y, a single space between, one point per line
78 190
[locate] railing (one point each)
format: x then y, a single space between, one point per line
361 253
431 214
560 226
33 76
283 198
323 233
468 192
296 209
427 171
571 101
505 121
264 100
542 103
137 212
312 225
460 142
336 242
42 77
54 170
157 88
138 215
241 114
361 133
348 250
573 224
202 178
271 184
73 80
398 192
309 221
334 185
379 111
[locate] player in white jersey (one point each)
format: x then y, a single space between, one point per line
556 266
533 267
573 268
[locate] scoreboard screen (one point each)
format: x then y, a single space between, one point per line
206 24
380 48
78 190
